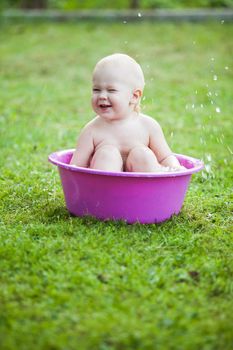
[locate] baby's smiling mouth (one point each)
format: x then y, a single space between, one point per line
102 105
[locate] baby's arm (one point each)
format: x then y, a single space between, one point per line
160 147
84 148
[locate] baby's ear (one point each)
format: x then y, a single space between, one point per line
137 94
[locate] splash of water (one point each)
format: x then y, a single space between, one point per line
202 141
215 77
218 110
208 168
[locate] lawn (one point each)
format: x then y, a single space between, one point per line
77 283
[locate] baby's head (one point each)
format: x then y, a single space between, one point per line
122 69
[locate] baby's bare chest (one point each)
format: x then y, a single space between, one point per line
124 138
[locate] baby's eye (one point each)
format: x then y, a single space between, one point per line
95 90
112 90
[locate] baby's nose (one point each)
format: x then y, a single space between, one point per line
103 94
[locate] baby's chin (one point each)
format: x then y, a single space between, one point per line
108 113
108 116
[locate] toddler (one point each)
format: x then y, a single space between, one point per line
120 137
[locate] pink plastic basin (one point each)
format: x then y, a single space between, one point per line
133 197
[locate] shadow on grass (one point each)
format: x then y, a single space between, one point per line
53 215
61 214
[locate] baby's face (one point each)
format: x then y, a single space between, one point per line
112 93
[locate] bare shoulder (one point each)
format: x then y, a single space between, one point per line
90 126
149 122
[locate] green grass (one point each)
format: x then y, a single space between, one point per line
77 283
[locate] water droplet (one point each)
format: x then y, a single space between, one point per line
201 105
212 102
215 77
216 94
204 175
208 168
124 22
208 157
226 68
172 134
222 21
139 14
144 97
202 141
218 110
209 93
193 105
196 92
225 161
212 58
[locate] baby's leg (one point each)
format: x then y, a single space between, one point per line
107 158
142 159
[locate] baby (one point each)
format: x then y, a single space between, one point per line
120 138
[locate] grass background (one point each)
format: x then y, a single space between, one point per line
117 4
77 283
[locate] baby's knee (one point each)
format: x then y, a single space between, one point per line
141 158
107 158
141 154
109 151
